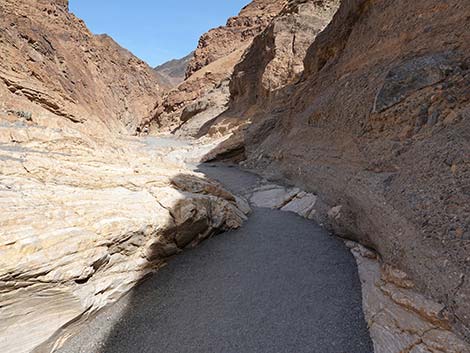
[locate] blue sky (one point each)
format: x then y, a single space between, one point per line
155 30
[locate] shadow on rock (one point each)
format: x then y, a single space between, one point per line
278 284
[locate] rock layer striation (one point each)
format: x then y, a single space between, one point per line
83 220
51 63
86 212
378 128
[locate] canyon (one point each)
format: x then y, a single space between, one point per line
353 114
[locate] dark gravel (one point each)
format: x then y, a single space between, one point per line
278 284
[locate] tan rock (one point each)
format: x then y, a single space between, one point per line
400 319
275 59
51 63
238 32
83 220
208 73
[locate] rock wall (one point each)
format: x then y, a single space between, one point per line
275 59
238 32
53 64
378 127
193 97
369 116
204 93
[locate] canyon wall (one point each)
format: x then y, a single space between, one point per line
378 127
204 94
369 112
84 220
87 212
275 59
238 32
272 62
53 64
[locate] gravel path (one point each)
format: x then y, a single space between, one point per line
278 284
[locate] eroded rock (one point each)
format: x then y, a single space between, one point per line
238 32
51 63
83 220
207 75
400 319
378 124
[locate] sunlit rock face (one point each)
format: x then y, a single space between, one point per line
275 59
273 63
209 71
52 63
239 31
84 219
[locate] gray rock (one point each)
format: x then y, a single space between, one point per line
275 197
194 109
302 204
432 120
411 76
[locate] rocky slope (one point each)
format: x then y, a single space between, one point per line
239 31
53 64
272 62
173 72
204 93
378 127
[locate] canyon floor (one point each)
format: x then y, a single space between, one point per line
280 283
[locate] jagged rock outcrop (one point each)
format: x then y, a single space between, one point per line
53 64
272 62
173 72
239 31
208 85
209 71
275 59
378 127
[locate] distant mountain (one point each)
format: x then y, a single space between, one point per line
172 72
